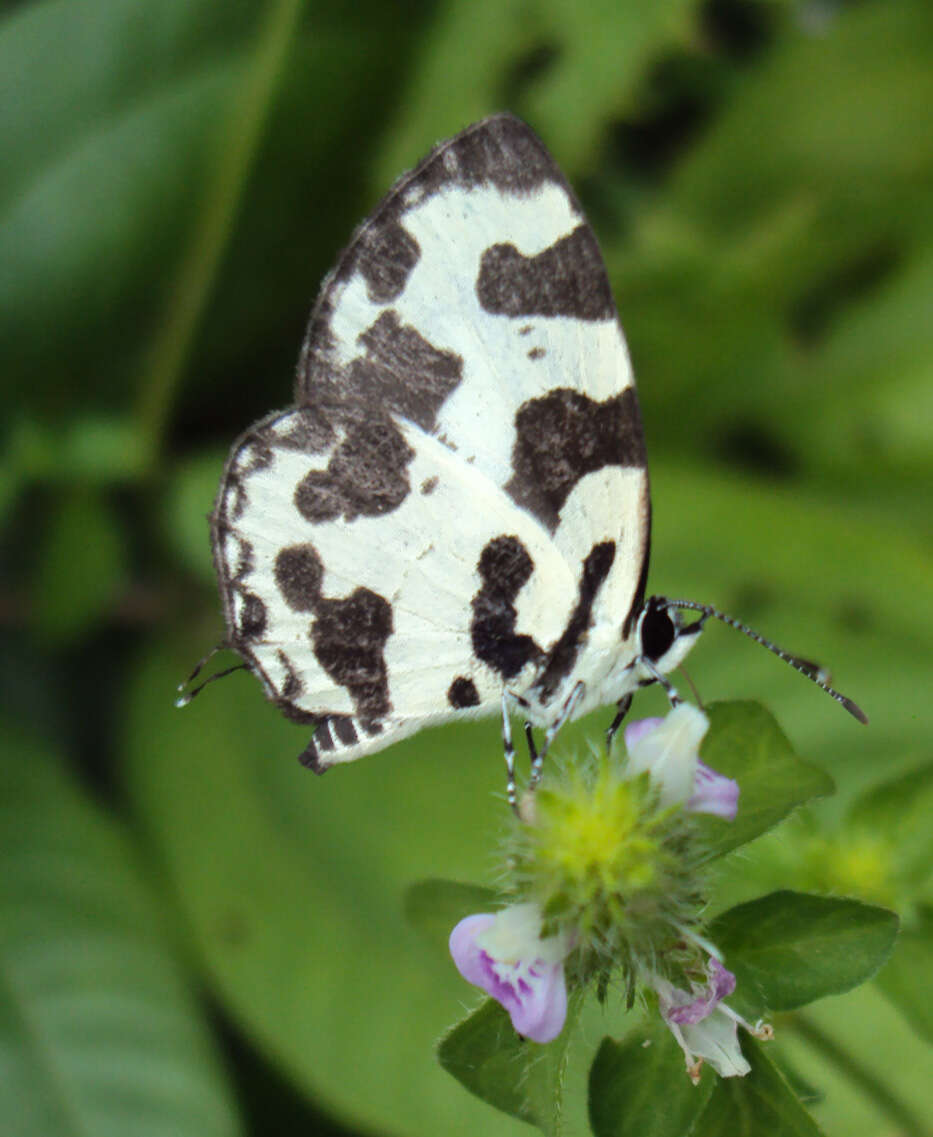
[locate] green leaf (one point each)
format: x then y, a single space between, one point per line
292 887
518 1077
761 1104
905 977
81 567
98 1034
899 811
434 907
789 948
744 742
639 1087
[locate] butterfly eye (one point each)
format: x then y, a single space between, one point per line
657 630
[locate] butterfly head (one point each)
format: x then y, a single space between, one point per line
664 636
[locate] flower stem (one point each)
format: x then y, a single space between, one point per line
198 268
908 1123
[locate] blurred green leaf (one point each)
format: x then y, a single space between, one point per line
81 567
774 259
822 581
97 1032
761 1104
96 449
108 156
787 949
899 811
293 887
189 500
434 907
906 976
744 742
639 1087
99 184
518 1077
568 69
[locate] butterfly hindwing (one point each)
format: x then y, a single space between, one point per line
460 492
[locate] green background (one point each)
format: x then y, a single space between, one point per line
196 935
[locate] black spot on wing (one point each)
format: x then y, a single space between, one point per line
638 599
403 372
301 430
462 693
345 729
292 685
330 733
366 476
504 567
385 255
298 574
400 374
565 279
349 637
500 151
564 435
253 617
563 655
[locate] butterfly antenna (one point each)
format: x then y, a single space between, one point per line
185 697
813 671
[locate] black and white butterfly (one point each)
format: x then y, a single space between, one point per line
454 517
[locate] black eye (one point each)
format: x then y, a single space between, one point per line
657 631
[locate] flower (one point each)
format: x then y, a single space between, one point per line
505 955
704 1027
607 871
669 749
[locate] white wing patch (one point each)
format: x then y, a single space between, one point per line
457 504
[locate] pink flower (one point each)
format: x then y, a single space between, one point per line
505 956
669 749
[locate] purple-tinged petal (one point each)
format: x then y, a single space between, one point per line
638 729
714 793
466 953
686 1010
504 956
704 1027
669 751
540 1015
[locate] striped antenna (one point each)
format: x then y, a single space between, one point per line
812 670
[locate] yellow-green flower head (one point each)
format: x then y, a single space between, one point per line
608 849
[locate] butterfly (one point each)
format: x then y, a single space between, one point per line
454 519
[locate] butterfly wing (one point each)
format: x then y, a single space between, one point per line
412 536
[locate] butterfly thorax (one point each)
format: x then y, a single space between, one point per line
612 666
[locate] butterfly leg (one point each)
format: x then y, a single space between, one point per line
509 748
621 711
532 745
570 704
662 680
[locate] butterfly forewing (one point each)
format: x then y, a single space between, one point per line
460 493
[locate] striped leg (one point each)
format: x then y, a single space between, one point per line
570 703
662 680
621 711
509 748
